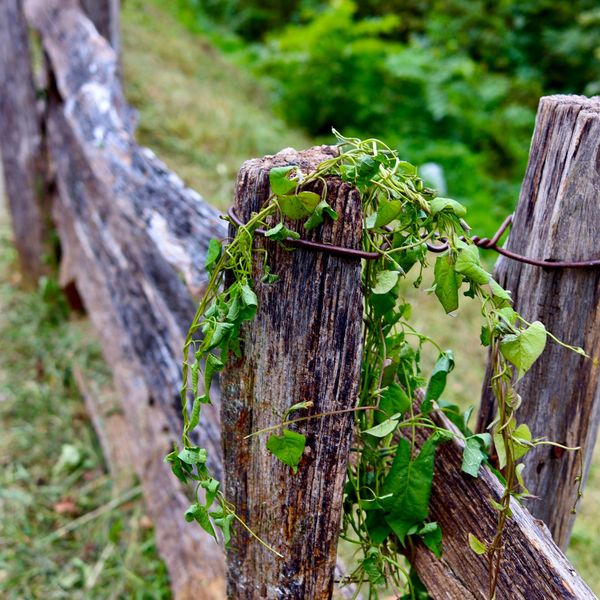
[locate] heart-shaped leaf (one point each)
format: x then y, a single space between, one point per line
523 349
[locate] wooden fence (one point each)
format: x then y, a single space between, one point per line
133 239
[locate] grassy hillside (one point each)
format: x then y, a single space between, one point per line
203 118
197 111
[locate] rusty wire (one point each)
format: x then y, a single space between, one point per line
483 243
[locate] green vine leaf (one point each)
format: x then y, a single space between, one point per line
223 521
475 453
280 232
198 512
212 254
212 366
317 216
446 283
299 206
195 415
477 546
440 204
498 291
394 400
387 212
284 179
193 456
372 568
521 438
437 381
385 281
469 265
431 535
211 486
523 348
409 481
180 469
384 428
288 448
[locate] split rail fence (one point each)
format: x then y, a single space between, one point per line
133 240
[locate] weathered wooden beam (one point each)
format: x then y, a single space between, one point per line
134 240
304 345
104 14
558 218
103 405
22 147
532 566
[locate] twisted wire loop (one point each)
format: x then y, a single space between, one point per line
483 243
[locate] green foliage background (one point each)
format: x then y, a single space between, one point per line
455 82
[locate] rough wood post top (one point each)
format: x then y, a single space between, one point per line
308 160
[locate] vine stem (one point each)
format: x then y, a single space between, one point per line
341 411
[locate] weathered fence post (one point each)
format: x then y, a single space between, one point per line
133 241
304 345
105 16
558 218
22 143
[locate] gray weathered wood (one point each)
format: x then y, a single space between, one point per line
104 14
21 143
133 240
118 446
304 345
532 567
558 218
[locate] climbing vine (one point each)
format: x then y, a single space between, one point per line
387 491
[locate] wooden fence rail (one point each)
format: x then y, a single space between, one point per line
133 240
22 143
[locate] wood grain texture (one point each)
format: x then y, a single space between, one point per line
304 345
134 240
532 568
22 146
558 218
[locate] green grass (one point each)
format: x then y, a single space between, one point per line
203 118
51 468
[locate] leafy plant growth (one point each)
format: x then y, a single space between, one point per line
386 497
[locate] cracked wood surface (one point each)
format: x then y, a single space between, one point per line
304 345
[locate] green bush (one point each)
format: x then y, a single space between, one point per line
344 72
